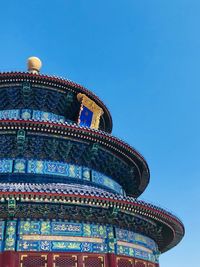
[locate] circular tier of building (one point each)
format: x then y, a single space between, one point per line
47 93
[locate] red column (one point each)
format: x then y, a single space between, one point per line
1 255
50 260
9 259
111 260
80 260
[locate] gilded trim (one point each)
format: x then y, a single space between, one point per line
121 258
131 245
139 261
61 238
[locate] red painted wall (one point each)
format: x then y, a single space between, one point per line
34 259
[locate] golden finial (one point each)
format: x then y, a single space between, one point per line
34 65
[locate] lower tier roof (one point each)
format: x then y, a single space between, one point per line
90 204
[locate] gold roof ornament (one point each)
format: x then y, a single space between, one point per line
34 65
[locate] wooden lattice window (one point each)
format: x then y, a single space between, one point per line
91 261
151 265
33 260
140 264
65 261
124 262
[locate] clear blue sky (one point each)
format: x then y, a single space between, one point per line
143 59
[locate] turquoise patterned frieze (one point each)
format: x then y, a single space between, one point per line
54 168
144 255
10 236
100 178
67 229
98 230
2 230
61 169
128 236
28 246
62 246
6 165
62 229
86 174
80 247
62 236
10 114
47 116
29 227
111 241
136 245
20 166
136 253
45 227
65 236
1 246
28 114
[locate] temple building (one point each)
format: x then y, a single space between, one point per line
68 188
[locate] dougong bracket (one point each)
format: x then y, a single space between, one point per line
26 93
21 139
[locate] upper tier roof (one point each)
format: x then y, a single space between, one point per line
61 85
